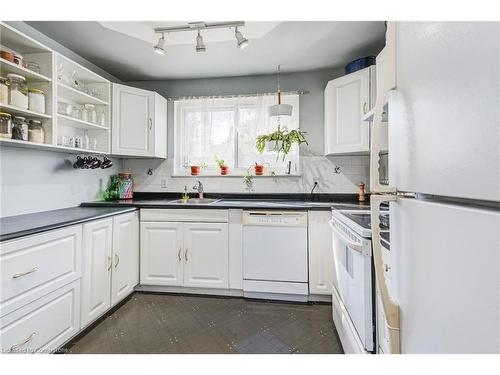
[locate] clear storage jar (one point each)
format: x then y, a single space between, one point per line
5 125
20 129
36 133
36 100
4 91
18 90
91 113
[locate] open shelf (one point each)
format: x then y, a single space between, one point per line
8 67
16 111
20 42
66 92
77 123
47 147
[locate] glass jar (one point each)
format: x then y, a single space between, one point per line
18 90
5 125
36 100
102 118
33 66
84 114
4 91
125 185
20 129
91 113
36 133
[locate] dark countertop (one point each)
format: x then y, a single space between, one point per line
22 225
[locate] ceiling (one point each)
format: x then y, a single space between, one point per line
125 49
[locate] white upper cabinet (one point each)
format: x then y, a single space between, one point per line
347 99
139 123
125 256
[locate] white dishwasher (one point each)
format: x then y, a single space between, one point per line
275 255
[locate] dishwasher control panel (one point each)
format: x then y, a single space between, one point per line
275 218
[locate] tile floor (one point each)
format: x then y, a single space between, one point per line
164 323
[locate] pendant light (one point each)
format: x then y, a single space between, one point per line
160 47
241 41
200 46
280 109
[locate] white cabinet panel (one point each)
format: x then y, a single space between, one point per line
96 269
161 253
125 256
43 325
34 265
139 122
206 255
320 252
346 100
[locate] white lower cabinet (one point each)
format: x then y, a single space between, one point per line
96 269
110 263
184 254
43 325
206 255
320 253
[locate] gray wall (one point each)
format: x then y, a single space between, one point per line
32 180
311 104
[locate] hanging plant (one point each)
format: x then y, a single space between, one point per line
281 141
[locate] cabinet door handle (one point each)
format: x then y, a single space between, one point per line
27 340
150 123
179 254
110 263
21 274
117 260
186 254
365 108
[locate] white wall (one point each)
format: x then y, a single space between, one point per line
33 181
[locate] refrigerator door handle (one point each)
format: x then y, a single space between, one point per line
390 306
375 148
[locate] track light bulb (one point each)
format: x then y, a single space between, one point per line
160 47
200 46
241 41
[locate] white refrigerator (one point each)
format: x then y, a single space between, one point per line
441 91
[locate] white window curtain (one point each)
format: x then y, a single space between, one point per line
227 128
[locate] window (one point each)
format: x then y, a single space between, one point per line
227 128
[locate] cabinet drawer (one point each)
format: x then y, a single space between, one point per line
36 265
185 215
43 325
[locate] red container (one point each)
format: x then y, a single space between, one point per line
259 170
224 170
195 170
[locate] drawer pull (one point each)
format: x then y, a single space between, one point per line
27 340
21 274
186 255
179 254
117 260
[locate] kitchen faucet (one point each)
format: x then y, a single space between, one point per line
199 188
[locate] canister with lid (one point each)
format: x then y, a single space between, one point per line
4 91
18 90
20 129
5 125
36 133
36 100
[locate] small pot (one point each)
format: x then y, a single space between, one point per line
6 55
195 170
259 170
224 170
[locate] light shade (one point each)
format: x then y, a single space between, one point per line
241 41
160 47
280 110
200 46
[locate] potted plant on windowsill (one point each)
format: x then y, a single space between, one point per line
259 169
280 141
196 168
224 169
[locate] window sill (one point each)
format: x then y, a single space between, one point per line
239 175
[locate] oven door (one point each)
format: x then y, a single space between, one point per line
353 280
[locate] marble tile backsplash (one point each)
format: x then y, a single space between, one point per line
353 170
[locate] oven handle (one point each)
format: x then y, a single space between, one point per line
353 245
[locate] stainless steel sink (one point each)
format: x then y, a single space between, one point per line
196 201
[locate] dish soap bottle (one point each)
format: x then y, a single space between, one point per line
185 195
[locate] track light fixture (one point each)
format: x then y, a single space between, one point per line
200 46
159 48
241 41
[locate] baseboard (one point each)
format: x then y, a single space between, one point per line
187 290
320 298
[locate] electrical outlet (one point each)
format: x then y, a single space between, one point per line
163 183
